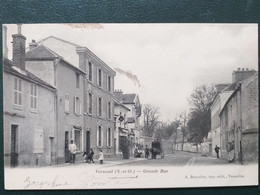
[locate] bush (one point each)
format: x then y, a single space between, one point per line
124 146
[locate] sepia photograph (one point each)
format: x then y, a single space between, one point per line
130 105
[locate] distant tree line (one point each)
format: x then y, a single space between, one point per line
191 127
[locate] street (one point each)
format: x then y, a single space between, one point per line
179 158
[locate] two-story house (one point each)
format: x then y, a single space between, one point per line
29 112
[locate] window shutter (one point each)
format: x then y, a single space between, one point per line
75 105
97 77
97 134
79 107
102 136
97 106
107 137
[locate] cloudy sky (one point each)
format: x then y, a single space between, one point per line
163 63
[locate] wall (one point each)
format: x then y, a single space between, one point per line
28 122
69 121
250 117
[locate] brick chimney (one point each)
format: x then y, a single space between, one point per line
5 48
241 74
19 49
32 45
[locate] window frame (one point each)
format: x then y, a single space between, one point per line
67 102
77 106
99 136
33 97
18 93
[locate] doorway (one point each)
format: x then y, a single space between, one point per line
87 141
14 146
67 152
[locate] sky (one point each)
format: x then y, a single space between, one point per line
162 63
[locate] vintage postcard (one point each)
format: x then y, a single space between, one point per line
119 106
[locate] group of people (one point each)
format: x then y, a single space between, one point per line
89 155
231 152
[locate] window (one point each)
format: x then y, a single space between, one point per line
109 110
89 71
109 137
34 96
77 80
99 136
77 139
90 103
99 77
67 103
99 107
108 83
77 106
17 91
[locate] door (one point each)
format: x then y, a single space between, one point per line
67 152
14 148
51 151
87 141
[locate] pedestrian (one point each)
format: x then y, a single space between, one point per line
146 152
89 156
217 150
101 157
72 149
231 152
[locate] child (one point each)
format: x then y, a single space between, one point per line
101 157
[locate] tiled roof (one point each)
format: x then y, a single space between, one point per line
125 98
11 68
41 52
231 87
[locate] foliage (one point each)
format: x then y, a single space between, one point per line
150 122
124 146
199 118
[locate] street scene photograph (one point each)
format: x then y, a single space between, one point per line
115 106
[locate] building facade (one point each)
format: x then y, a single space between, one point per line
98 94
29 113
121 125
239 122
132 102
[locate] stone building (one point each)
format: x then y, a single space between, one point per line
53 69
223 93
239 119
29 112
121 125
131 101
97 80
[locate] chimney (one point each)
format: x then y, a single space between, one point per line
19 49
5 48
32 45
241 74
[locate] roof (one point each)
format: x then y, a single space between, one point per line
41 52
44 53
67 50
12 69
125 98
117 103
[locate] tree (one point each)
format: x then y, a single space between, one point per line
150 122
182 121
199 118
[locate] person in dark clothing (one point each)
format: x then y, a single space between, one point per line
217 150
89 158
146 152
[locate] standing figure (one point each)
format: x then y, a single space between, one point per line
89 156
101 157
72 149
146 152
217 150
